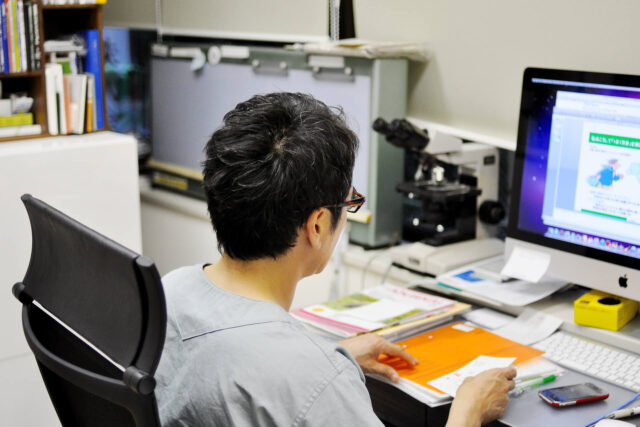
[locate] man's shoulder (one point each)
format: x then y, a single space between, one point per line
181 273
283 349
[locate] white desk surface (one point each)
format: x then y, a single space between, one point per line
559 304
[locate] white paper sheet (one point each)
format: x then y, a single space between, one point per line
538 366
526 264
474 280
380 310
487 318
530 327
449 383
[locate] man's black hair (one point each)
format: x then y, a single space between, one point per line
276 159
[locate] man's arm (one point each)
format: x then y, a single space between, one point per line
479 399
366 349
482 398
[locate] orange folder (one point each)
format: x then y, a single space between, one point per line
447 349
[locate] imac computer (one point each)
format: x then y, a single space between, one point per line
576 184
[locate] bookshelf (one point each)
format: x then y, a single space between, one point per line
54 21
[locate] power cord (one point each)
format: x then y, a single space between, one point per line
629 402
367 265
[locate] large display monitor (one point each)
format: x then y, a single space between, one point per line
576 185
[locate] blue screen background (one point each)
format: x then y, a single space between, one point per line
537 150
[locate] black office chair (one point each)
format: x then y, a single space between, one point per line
111 297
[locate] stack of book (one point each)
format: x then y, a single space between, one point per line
74 97
70 101
18 124
392 311
20 48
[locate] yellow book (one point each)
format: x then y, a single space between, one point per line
16 120
89 118
16 37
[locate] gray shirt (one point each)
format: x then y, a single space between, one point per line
229 360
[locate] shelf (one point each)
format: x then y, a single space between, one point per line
36 73
46 135
21 137
69 6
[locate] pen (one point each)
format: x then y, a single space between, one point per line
539 376
531 384
624 413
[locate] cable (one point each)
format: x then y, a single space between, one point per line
367 265
159 20
334 17
386 274
633 399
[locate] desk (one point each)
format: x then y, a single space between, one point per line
396 408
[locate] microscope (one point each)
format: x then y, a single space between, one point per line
450 193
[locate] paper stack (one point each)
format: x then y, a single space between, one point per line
485 280
385 306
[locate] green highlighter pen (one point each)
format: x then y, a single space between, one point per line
531 384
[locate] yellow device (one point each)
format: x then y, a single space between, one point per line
602 310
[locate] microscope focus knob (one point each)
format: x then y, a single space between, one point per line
491 212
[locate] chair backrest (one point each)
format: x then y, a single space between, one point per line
109 296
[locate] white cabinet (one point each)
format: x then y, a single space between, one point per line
94 179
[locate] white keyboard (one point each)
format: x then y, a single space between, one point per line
591 358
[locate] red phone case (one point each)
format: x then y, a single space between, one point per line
558 404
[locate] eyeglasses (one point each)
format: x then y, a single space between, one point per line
353 205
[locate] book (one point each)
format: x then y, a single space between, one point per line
372 309
5 40
409 329
36 36
93 65
22 40
69 62
51 98
91 111
77 84
10 131
15 35
3 35
66 100
10 35
60 106
28 32
16 119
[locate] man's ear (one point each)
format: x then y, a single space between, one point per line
316 227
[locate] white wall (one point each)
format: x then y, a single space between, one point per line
134 13
479 48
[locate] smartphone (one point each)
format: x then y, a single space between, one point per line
572 394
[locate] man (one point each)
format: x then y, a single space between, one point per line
277 178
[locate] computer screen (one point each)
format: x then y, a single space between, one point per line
576 186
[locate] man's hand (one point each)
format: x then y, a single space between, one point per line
366 349
482 398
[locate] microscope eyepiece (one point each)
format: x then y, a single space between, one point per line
402 133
